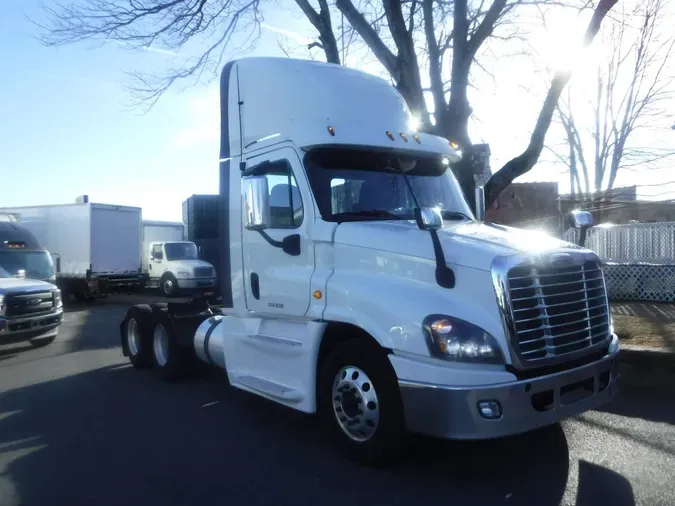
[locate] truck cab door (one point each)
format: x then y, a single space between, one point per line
156 260
277 279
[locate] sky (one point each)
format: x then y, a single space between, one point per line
67 128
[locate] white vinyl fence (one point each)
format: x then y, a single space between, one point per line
640 259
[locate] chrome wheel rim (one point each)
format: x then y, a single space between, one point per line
355 403
168 286
133 339
160 343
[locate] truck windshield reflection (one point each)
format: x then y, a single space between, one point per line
354 184
181 251
35 264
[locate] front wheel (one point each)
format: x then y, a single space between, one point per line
361 405
169 285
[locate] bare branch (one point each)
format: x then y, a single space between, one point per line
369 35
526 160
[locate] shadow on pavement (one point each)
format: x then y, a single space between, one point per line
118 436
599 486
651 404
91 325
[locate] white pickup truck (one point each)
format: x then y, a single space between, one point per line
357 283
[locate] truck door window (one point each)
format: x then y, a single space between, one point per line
157 252
286 209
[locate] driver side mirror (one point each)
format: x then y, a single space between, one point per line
582 220
428 218
56 260
256 202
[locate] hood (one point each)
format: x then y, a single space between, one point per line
189 264
14 285
471 244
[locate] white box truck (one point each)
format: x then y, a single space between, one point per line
356 282
173 264
97 247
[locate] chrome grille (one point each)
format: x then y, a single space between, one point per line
203 272
557 310
26 304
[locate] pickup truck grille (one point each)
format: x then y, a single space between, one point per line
203 272
27 304
557 310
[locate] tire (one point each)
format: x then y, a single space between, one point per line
371 397
42 341
169 359
168 285
136 333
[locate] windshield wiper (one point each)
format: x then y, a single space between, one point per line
454 215
373 213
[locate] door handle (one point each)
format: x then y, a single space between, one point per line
255 285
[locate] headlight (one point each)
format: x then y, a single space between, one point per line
183 274
58 301
454 339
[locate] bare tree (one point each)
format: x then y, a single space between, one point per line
631 90
400 34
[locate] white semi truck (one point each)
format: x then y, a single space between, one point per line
97 247
357 283
173 264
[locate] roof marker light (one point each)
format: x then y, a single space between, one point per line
404 137
390 135
417 139
331 131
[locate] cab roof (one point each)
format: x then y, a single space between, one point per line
14 233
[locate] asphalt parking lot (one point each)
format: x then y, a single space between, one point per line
78 425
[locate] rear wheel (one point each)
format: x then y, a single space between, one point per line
360 403
137 337
168 357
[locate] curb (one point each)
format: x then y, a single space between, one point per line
647 367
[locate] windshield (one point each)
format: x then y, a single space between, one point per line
36 264
352 185
180 251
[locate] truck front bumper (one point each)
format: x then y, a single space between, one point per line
196 283
512 408
14 330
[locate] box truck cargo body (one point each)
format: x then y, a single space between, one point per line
200 216
98 246
160 231
172 264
